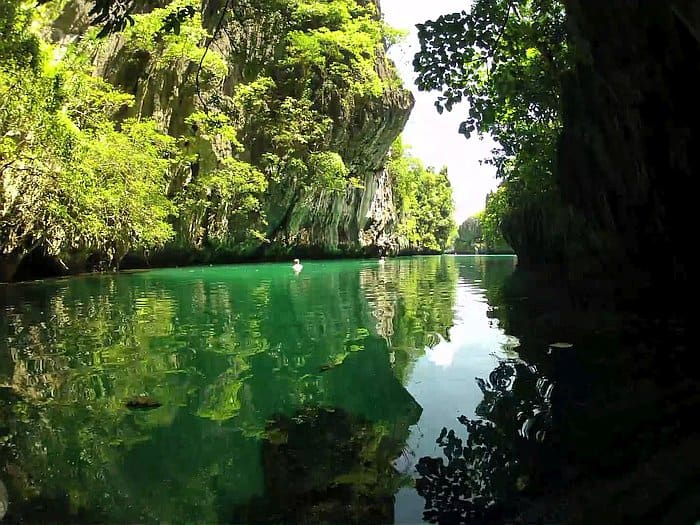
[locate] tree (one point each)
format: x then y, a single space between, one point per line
423 200
497 207
73 185
481 233
506 59
434 214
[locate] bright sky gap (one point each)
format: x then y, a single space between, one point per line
434 138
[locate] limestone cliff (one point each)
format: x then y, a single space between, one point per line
298 215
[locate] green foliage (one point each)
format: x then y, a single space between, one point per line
325 54
329 169
481 233
424 203
227 201
497 206
72 183
295 134
333 45
345 57
505 58
298 129
214 125
19 48
331 15
123 175
469 235
169 37
90 102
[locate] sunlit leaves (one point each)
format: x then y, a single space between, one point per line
328 169
337 41
424 203
229 201
71 182
497 206
505 58
280 120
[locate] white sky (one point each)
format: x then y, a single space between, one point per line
434 138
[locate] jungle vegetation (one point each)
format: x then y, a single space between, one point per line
506 59
423 200
85 176
481 233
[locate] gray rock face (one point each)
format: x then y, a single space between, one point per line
354 221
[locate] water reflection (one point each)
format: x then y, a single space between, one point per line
602 432
413 302
281 394
420 389
479 479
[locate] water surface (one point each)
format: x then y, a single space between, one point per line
284 396
351 392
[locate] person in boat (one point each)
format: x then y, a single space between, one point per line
297 266
382 260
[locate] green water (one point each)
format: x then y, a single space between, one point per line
285 397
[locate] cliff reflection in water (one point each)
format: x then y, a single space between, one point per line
601 433
413 303
285 398
282 395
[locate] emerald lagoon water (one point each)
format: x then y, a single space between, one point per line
351 392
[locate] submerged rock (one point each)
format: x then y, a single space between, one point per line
143 403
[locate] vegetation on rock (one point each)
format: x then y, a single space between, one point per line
507 60
202 135
481 233
423 199
74 183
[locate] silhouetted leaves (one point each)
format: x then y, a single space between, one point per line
112 15
115 15
173 21
484 474
505 59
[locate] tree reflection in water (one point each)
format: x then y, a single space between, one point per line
279 397
495 464
605 432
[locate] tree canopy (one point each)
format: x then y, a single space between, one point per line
423 198
506 59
